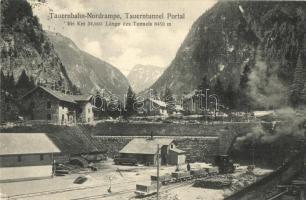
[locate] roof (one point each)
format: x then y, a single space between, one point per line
61 96
190 95
177 150
158 102
145 145
82 97
26 143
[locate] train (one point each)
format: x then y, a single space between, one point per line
143 190
222 165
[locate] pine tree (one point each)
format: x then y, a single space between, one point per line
10 82
298 82
170 101
24 84
244 100
230 96
218 89
204 84
23 81
130 101
303 95
244 78
3 81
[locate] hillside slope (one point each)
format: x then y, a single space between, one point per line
86 71
24 45
259 42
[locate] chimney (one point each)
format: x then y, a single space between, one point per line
152 135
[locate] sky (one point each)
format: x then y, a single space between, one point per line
124 47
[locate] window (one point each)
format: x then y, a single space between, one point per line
8 107
171 146
48 104
88 110
48 116
19 158
41 157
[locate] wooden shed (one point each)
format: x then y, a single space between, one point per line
26 156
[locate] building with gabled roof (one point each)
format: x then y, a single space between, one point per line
53 106
157 107
26 156
144 150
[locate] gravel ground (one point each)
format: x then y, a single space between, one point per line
123 178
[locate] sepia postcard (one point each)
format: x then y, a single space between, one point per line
153 99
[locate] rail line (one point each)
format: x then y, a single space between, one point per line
69 189
105 195
170 187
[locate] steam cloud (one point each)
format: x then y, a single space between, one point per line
265 88
268 91
289 123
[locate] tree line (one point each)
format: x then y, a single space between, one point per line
229 96
19 87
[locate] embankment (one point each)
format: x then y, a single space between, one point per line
197 148
267 187
200 141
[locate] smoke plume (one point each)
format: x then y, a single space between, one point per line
265 88
267 91
288 122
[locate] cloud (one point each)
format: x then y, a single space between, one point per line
92 47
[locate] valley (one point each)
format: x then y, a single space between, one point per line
208 102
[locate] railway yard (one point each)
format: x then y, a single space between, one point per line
119 182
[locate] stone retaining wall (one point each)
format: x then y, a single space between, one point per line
197 148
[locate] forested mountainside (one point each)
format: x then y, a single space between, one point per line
86 71
142 77
250 53
50 58
25 46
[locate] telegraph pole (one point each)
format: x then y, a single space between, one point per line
157 163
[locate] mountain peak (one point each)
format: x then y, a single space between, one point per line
142 77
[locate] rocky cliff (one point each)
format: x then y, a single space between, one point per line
256 47
24 45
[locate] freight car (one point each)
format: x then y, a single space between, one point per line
182 176
143 190
146 190
172 178
199 173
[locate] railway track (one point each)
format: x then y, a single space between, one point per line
167 188
50 192
105 195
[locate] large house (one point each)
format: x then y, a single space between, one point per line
53 106
144 150
154 107
26 156
157 107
